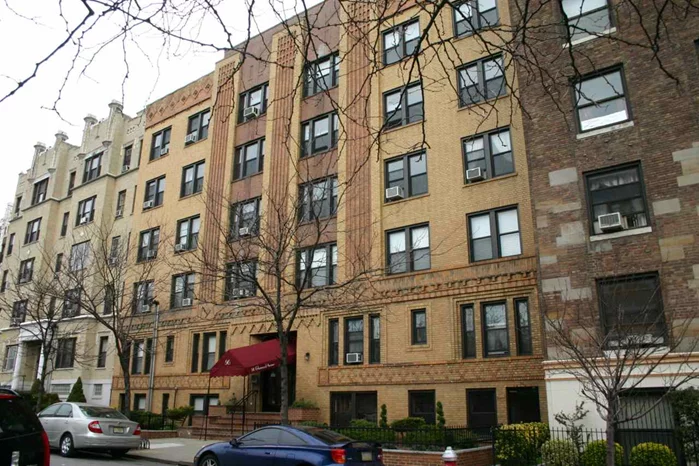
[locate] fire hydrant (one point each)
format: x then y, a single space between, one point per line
449 457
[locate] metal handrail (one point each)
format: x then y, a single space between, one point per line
242 403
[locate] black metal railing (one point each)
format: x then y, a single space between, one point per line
152 421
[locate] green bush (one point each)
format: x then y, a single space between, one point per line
685 405
652 454
559 453
520 444
408 423
441 420
179 414
76 393
595 454
313 424
366 431
304 404
383 420
47 399
432 437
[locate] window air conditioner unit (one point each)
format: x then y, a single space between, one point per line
143 308
125 168
394 193
475 174
186 302
612 222
164 150
190 138
353 358
180 247
245 231
243 292
148 204
120 212
150 254
251 112
84 219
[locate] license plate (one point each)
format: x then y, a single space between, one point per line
118 430
366 456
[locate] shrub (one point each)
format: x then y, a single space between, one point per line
47 399
76 393
432 437
652 454
559 453
595 454
520 444
180 414
441 421
313 424
383 421
408 423
366 431
304 404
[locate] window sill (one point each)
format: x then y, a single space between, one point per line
82 225
314 220
491 101
419 347
188 144
620 234
246 177
316 154
30 243
403 274
159 158
323 92
490 27
190 195
409 198
582 40
414 123
143 260
488 180
604 130
402 59
185 251
152 208
495 259
241 123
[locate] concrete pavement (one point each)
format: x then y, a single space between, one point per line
179 451
95 459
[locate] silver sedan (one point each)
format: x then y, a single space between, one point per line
81 426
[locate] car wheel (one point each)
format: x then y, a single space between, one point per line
209 460
67 446
118 453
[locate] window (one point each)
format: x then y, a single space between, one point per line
65 354
198 127
182 289
400 42
139 354
495 330
408 173
10 244
139 402
80 256
155 193
600 100
93 167
208 355
322 74
115 248
201 403
468 326
102 352
126 163
523 405
10 358
354 340
481 80
148 244
40 189
241 280
143 295
195 352
160 145
403 106
18 205
249 159
617 190
170 348
64 223
71 303
494 234
422 404
19 313
523 327
245 218
71 183
586 17
97 390
491 152
333 342
344 407
319 135
26 270
317 266
482 408
374 339
188 233
33 231
470 16
631 309
121 202
192 179
109 299
408 249
419 326
5 276
86 211
255 98
318 199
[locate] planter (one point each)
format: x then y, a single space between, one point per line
304 414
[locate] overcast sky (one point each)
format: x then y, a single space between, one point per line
154 71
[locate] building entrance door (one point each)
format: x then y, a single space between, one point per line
271 388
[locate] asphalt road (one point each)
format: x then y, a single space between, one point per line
90 459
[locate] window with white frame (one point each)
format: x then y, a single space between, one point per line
600 100
10 358
587 18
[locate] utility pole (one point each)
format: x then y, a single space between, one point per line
151 377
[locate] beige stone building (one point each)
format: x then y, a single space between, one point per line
452 315
69 192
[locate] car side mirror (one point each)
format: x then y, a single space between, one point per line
234 443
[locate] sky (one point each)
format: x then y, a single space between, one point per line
154 70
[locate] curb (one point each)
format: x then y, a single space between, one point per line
159 460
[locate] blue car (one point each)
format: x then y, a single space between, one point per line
290 446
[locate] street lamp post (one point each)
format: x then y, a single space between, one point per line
151 377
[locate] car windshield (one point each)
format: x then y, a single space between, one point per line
16 418
326 436
101 412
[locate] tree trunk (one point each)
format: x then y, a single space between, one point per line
610 442
124 362
42 377
284 369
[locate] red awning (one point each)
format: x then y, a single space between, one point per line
252 359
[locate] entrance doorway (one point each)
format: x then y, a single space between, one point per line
271 388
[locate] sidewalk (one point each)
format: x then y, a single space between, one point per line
178 451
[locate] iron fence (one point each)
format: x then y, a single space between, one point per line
527 446
152 421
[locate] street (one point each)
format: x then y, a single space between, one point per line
89 459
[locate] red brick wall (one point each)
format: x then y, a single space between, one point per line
473 457
155 434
